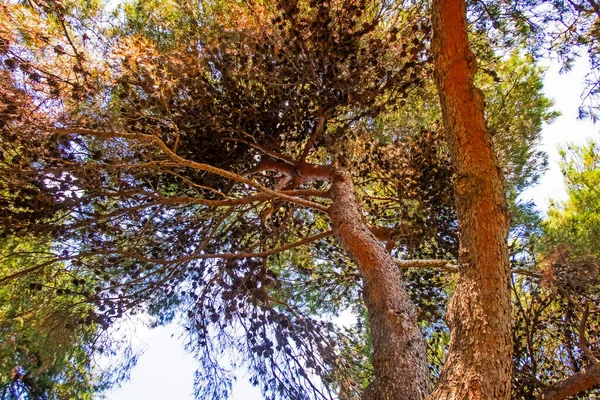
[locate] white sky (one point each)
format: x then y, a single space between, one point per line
165 371
566 92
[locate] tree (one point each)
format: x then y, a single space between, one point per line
49 339
479 363
272 94
250 167
571 263
575 223
555 323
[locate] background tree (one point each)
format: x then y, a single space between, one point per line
50 340
576 222
555 319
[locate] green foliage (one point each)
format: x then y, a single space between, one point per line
558 305
568 29
576 222
50 340
517 110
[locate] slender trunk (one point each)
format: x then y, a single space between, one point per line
399 355
479 361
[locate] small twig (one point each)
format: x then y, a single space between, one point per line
526 272
313 137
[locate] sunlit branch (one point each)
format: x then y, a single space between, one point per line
447 266
441 264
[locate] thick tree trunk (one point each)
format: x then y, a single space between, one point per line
479 361
399 359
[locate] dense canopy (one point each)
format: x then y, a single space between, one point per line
254 169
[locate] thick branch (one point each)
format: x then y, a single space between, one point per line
399 355
580 382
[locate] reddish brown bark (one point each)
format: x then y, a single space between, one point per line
399 359
479 361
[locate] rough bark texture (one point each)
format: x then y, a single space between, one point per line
479 361
399 359
580 382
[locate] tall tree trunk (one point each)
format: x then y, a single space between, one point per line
479 361
399 354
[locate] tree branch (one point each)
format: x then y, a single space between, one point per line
581 381
160 261
236 201
264 150
192 164
320 124
526 272
447 266
442 264
306 172
582 342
